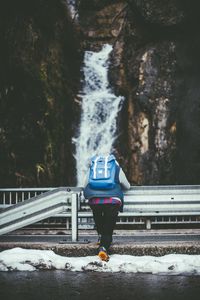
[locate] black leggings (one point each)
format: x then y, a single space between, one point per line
105 217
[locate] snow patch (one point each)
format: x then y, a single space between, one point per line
19 259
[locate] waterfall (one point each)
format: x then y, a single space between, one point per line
100 108
72 7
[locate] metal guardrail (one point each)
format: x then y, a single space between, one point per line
158 205
143 204
11 196
39 207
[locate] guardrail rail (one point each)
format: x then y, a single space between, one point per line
143 205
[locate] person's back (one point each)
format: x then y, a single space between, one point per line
103 189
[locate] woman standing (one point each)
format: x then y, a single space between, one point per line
104 190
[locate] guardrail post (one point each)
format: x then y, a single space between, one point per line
74 217
67 224
148 223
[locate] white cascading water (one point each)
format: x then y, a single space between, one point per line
100 109
72 7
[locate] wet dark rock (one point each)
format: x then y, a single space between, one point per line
68 266
156 67
39 78
171 267
158 12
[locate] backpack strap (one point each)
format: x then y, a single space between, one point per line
95 167
106 166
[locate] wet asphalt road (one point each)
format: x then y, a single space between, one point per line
65 285
93 238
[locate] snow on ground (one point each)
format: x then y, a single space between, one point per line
19 259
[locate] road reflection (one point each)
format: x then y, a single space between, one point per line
63 285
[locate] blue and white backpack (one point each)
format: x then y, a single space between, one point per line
103 171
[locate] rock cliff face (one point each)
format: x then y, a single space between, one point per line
161 74
155 65
39 77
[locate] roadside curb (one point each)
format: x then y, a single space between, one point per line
78 250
